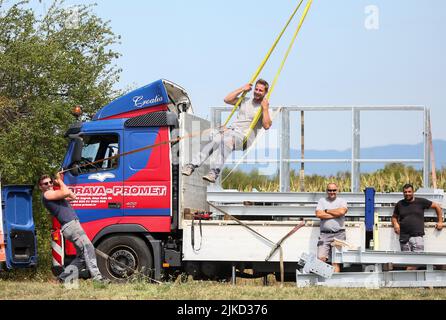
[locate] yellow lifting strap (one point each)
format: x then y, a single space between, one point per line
259 112
265 60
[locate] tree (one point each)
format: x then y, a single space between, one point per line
48 64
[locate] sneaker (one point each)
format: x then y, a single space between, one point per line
188 169
100 279
212 176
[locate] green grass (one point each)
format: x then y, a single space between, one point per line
198 290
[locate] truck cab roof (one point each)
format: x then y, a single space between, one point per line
150 98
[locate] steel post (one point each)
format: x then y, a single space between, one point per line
426 164
356 150
234 275
215 117
285 151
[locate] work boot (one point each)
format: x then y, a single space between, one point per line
188 169
212 176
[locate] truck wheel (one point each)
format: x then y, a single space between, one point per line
131 253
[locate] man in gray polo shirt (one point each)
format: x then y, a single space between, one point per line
331 210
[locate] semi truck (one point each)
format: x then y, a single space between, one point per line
144 216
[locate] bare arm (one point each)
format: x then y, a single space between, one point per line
336 213
71 197
323 215
331 213
396 225
233 97
439 212
56 194
266 119
60 194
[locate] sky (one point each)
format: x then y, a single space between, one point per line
349 52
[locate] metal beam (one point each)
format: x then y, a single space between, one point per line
356 148
326 161
340 108
308 197
301 211
382 257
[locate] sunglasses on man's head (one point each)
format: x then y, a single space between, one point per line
47 183
332 190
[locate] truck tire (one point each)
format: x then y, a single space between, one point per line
130 251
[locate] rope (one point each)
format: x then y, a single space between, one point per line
241 223
192 238
262 65
276 78
173 141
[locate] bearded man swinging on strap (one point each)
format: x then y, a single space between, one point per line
232 138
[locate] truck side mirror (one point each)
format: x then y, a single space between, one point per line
76 155
77 150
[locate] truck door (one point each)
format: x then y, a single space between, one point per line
98 187
147 175
19 229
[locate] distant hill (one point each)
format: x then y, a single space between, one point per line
397 151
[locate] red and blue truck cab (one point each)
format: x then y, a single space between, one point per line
128 206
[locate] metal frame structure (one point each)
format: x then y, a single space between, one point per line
373 276
370 257
375 279
355 160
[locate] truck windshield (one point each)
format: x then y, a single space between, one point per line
98 147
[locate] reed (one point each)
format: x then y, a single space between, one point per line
389 179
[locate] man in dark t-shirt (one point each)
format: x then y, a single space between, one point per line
55 201
408 220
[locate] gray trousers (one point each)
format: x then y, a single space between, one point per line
324 249
85 252
415 244
220 148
